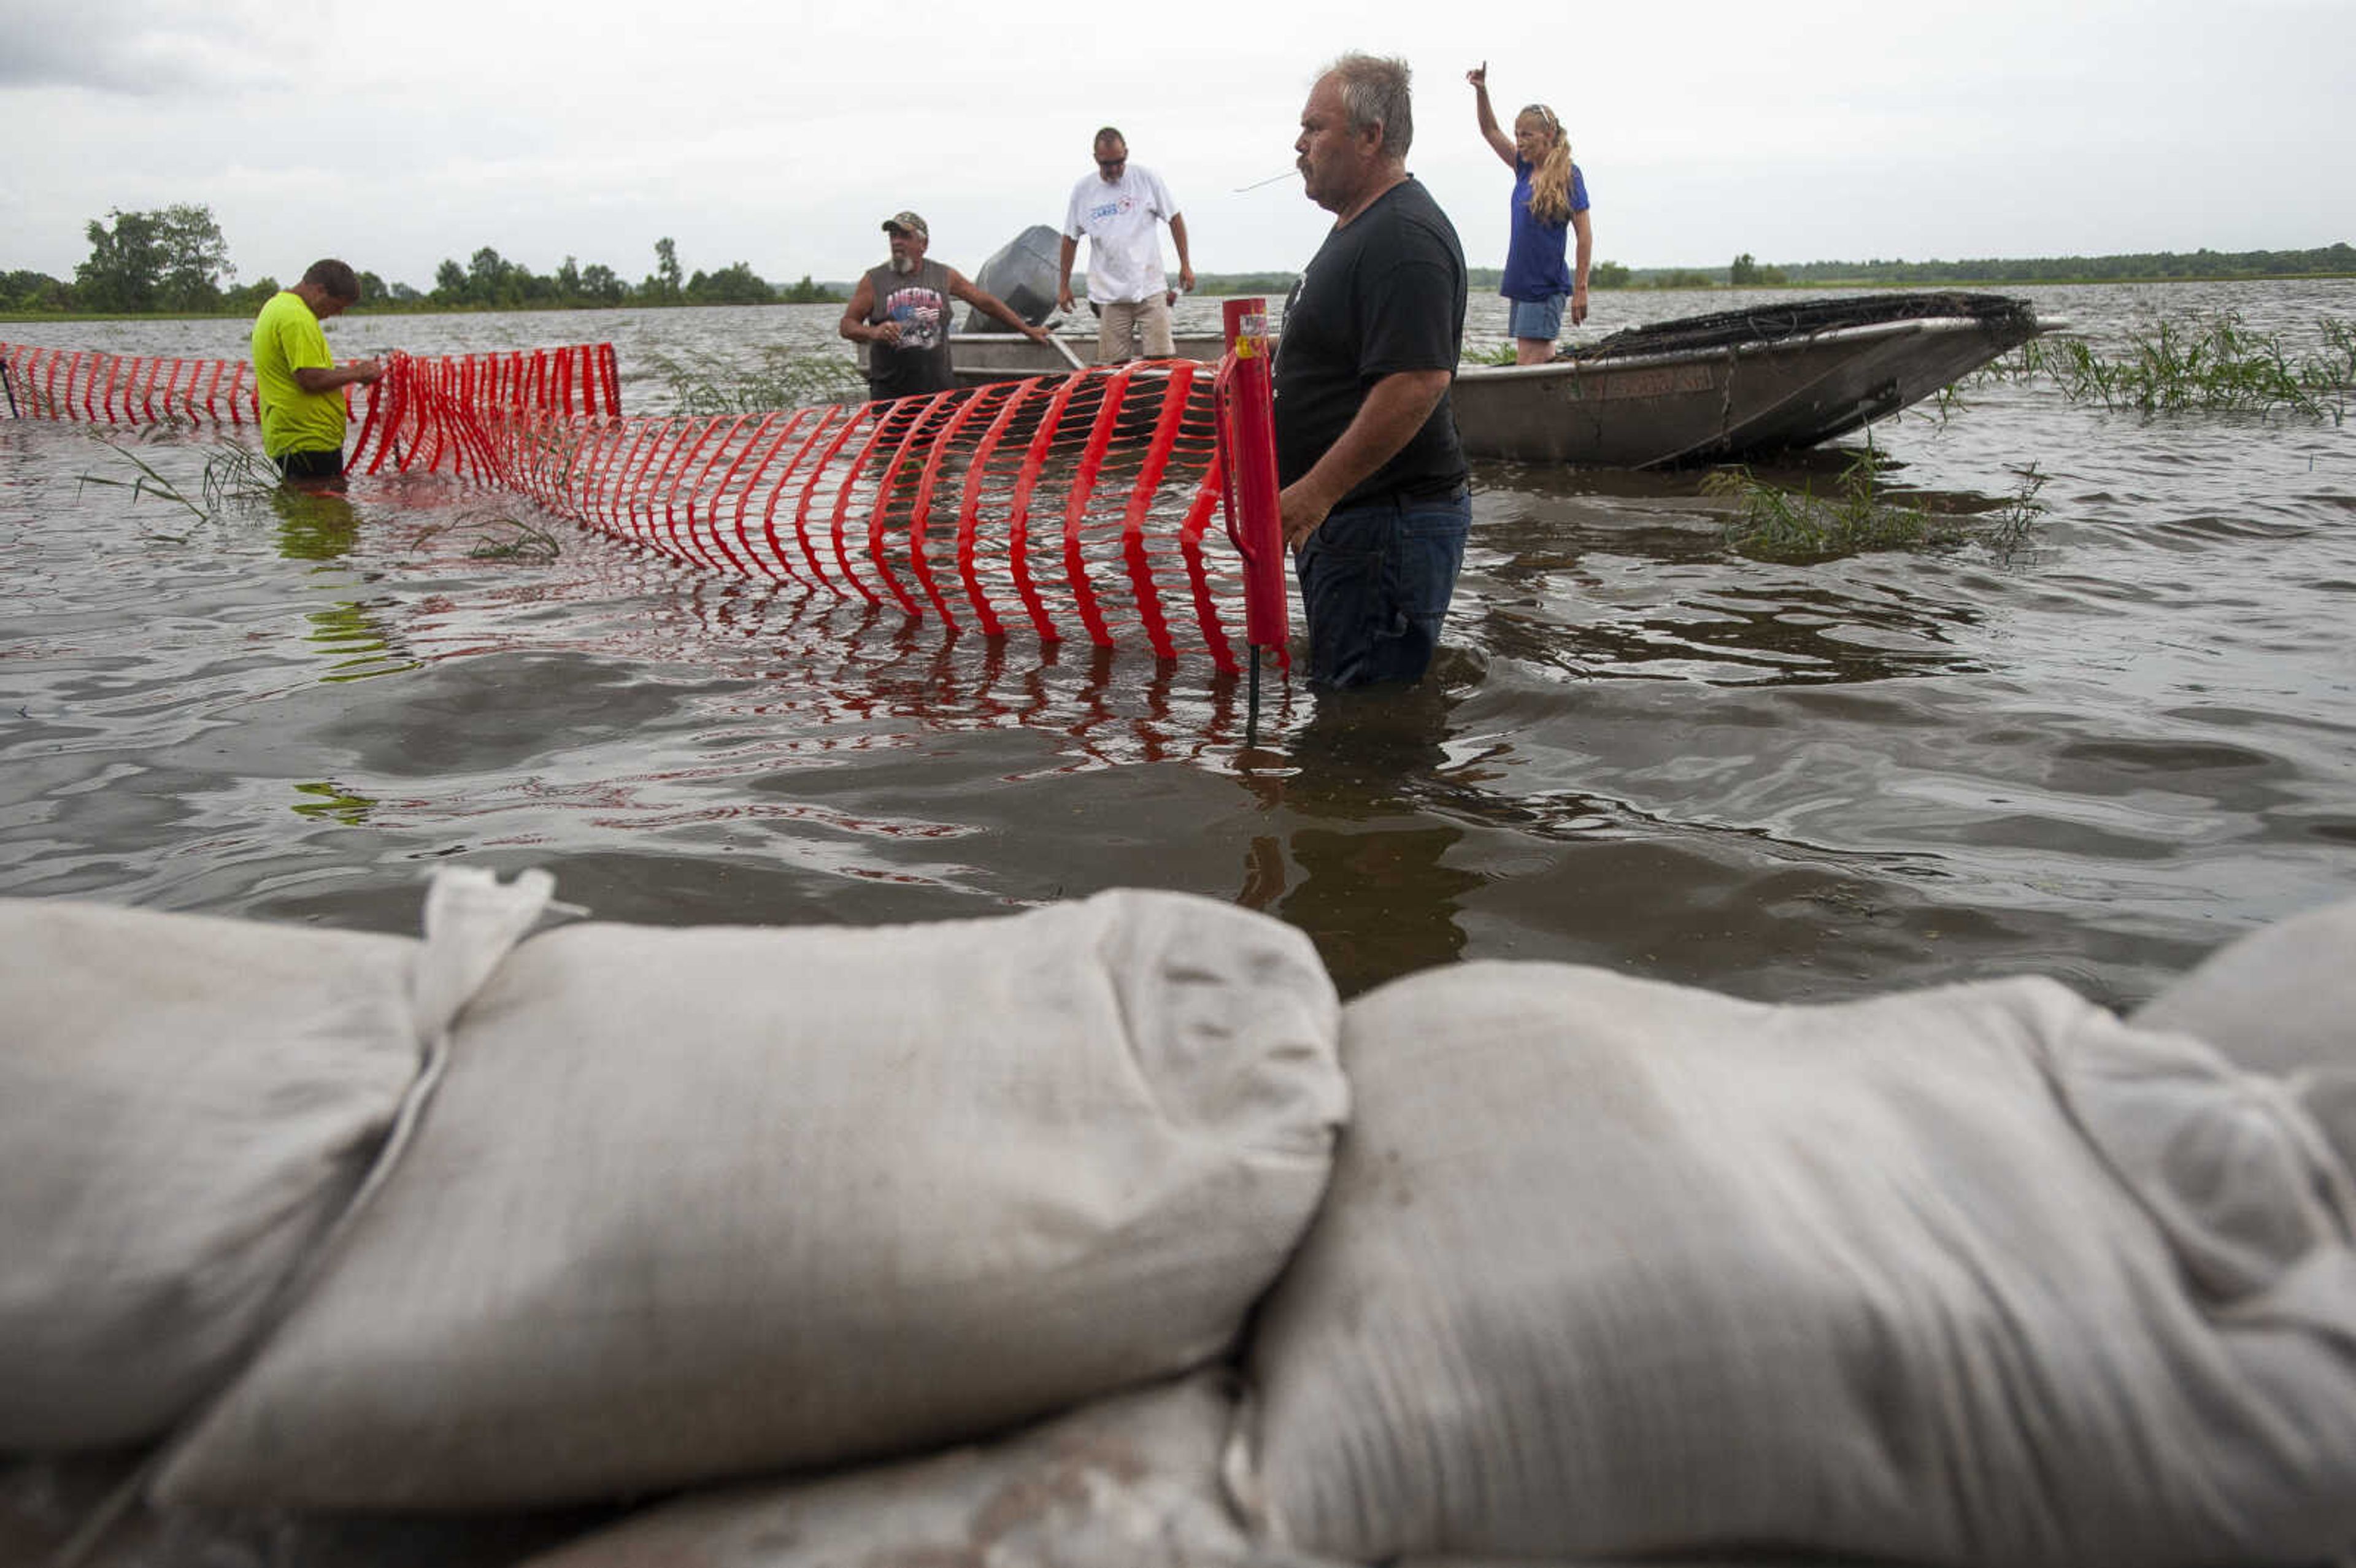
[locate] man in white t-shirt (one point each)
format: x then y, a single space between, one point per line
1116 209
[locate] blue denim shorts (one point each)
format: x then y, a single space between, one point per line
1375 579
1541 319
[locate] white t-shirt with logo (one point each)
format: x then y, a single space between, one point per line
1117 219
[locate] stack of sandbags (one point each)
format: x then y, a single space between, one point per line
186 1105
1973 1275
689 1204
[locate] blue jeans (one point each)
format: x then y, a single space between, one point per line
1375 579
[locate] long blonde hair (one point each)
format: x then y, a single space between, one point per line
1550 177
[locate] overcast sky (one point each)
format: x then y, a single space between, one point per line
398 134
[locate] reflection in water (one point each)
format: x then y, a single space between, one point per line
313 525
323 526
1559 590
1375 892
364 647
333 803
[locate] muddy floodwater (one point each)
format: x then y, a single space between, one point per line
2094 755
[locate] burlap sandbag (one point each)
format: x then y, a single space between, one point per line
1130 1481
186 1105
2282 1000
1971 1276
697 1203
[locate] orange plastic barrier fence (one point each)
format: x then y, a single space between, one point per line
1070 506
88 386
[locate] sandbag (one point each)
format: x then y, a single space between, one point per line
2282 1000
186 1103
1972 1276
691 1204
1129 1482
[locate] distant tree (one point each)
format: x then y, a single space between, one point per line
252 297
449 283
808 292
195 258
735 284
665 283
1744 271
125 268
1607 275
599 283
372 290
488 278
29 291
568 279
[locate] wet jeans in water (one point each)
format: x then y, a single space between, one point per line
1375 580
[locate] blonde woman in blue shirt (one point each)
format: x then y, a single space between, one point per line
1549 206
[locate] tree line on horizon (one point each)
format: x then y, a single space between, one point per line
174 262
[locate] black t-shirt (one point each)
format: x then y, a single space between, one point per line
1384 294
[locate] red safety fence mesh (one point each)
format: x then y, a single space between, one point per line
1083 506
88 386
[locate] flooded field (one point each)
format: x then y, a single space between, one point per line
2093 755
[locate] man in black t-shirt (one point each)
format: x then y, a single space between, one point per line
1375 500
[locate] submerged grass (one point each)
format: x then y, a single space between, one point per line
1772 523
2218 363
145 481
496 536
704 384
236 475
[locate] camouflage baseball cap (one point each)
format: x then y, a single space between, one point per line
910 222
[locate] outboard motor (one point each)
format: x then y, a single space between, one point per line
1023 273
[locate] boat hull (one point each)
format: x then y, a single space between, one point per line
1701 389
1646 410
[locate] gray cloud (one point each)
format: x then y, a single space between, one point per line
142 51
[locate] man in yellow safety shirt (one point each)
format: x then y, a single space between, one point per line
297 381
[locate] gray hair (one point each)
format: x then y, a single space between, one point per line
1375 92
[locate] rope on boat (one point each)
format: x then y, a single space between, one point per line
1071 504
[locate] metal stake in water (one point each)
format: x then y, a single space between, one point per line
1251 704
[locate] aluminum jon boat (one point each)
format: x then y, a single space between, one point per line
1719 388
1702 388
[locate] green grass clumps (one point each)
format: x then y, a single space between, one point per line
704 385
1772 523
233 472
2214 365
496 535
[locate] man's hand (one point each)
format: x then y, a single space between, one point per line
367 370
1037 335
887 333
1185 279
1302 510
1064 300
